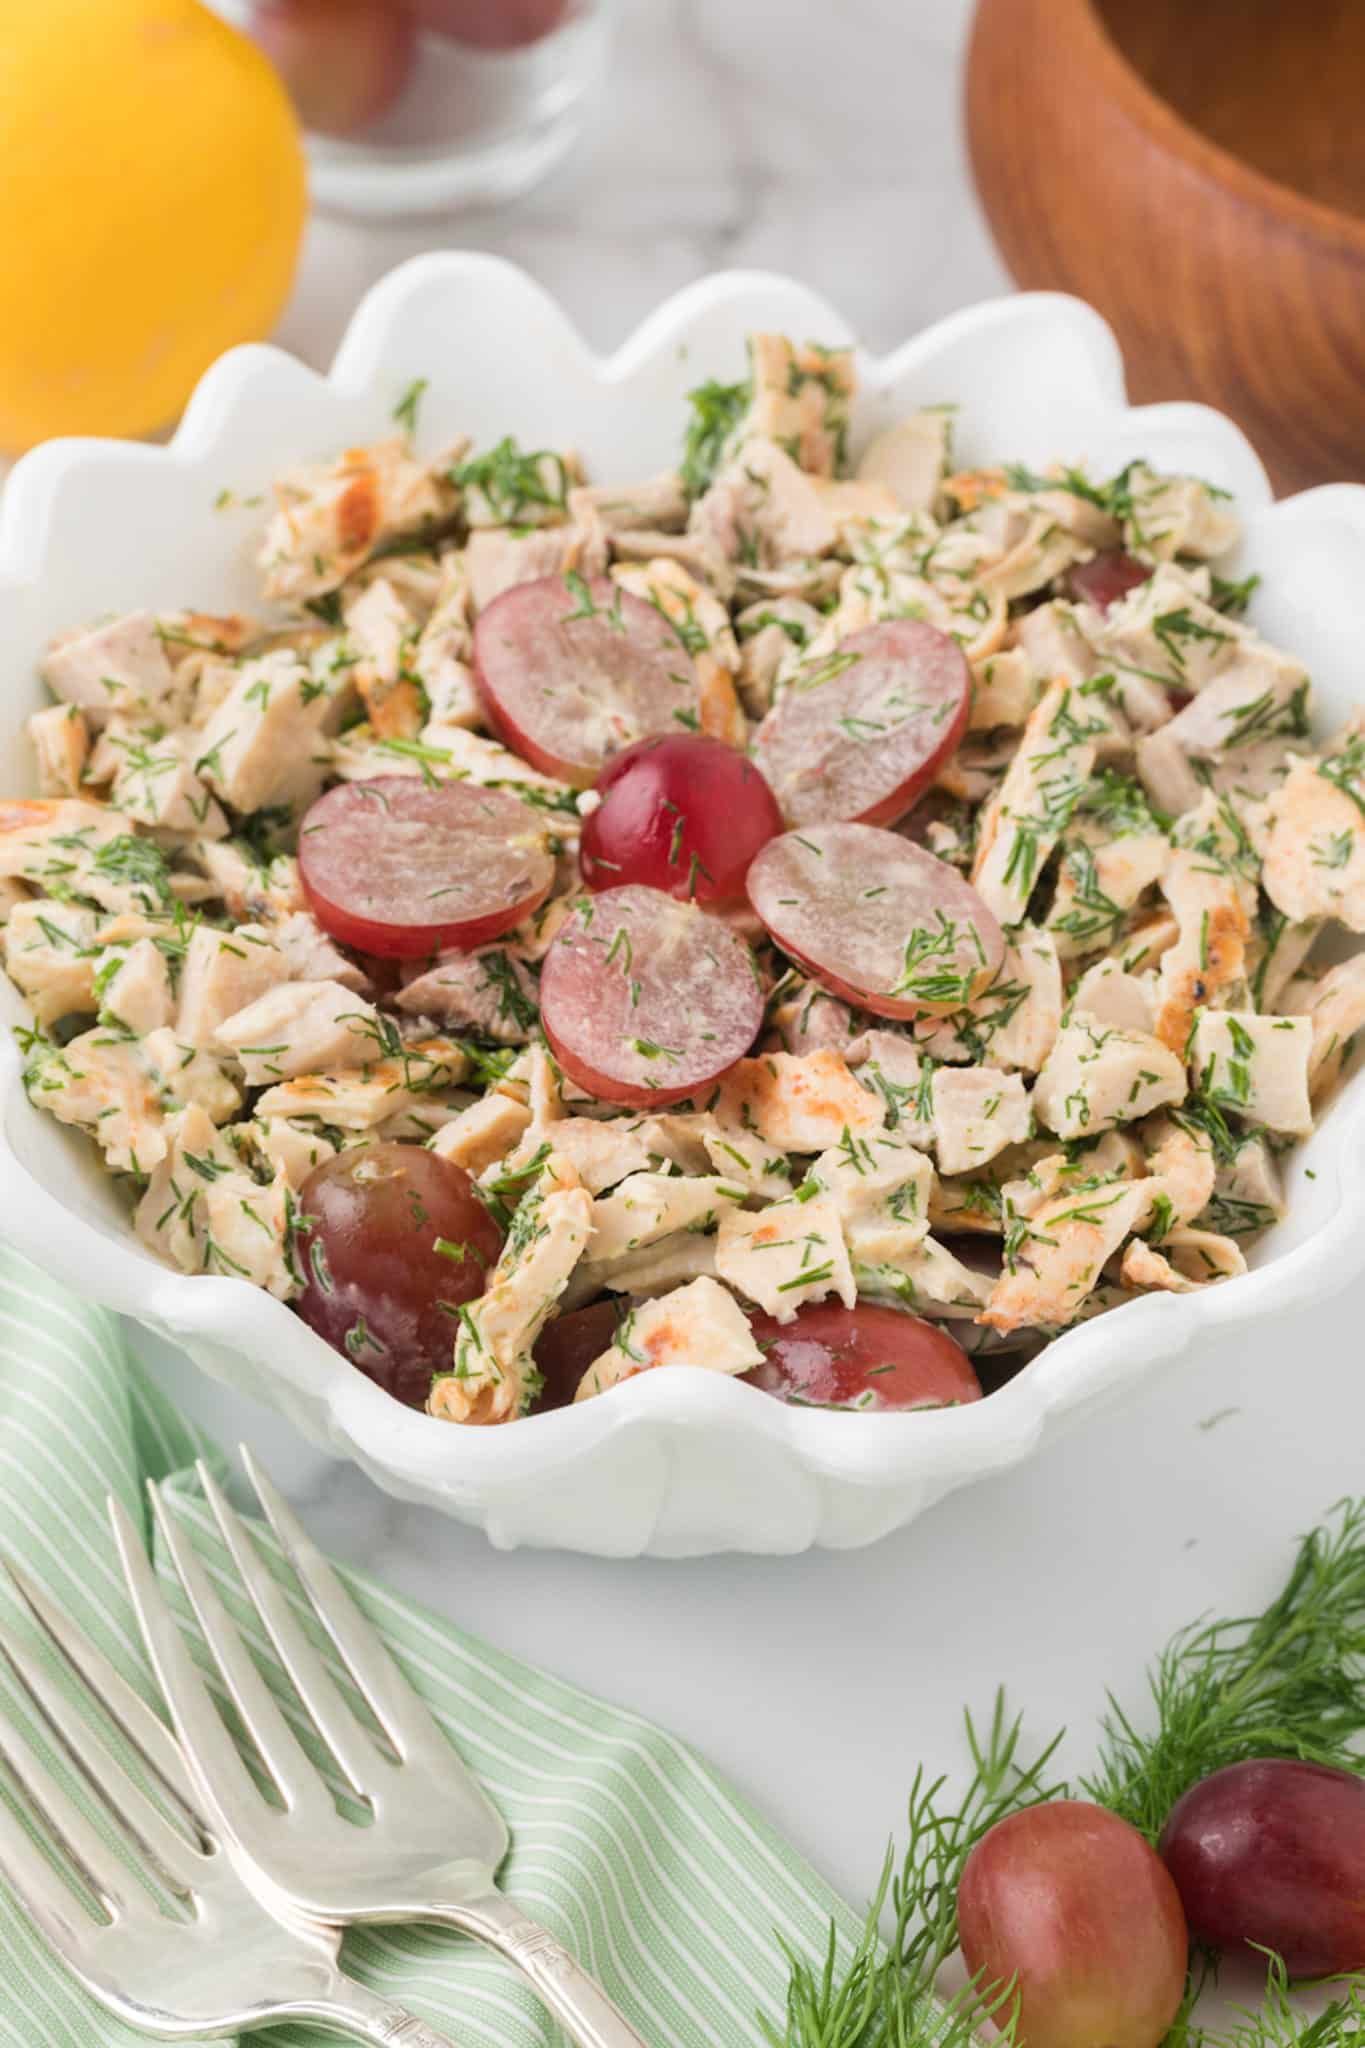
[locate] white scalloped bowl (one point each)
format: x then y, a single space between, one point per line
675 1463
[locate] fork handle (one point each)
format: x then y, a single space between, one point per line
574 1998
354 2009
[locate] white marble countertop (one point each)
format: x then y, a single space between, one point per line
826 141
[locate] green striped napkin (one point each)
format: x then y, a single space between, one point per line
625 1843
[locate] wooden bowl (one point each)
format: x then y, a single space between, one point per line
1194 169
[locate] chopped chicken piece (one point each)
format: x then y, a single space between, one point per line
119 666
1257 1066
654 1269
1248 1191
293 1146
264 745
206 1214
300 1028
768 632
1111 995
1033 806
382 631
648 1206
497 559
881 1189
659 502
311 955
977 1112
1335 1006
697 615
1097 1076
1021 1031
61 743
699 1325
931 1280
1191 1259
1067 1244
222 973
800 1104
185 1075
601 1150
49 950
480 1135
331 519
364 1098
1177 515
1210 954
489 991
1166 634
65 845
764 510
1101 877
801 399
784 1255
743 1157
12 894
1315 847
1275 953
1181 1173
493 1376
133 987
911 459
1054 644
807 1020
100 1083
1004 691
893 1069
154 780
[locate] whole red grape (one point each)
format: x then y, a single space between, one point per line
1273 1853
1072 1905
391 1240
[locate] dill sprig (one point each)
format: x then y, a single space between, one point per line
882 1996
1282 2024
1288 1682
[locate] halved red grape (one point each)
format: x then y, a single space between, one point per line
865 1357
860 734
1106 578
569 1344
680 812
1273 1853
571 672
1071 1906
876 919
648 1000
401 868
391 1240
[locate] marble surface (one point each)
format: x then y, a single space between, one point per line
825 140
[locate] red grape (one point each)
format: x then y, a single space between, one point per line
1273 1853
1071 1905
876 920
864 1357
345 62
391 1240
646 1000
569 1344
395 868
491 24
1106 578
683 813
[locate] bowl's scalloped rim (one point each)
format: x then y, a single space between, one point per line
476 1473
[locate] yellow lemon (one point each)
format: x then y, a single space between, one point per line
154 198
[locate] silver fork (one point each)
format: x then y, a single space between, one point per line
224 1963
435 1841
